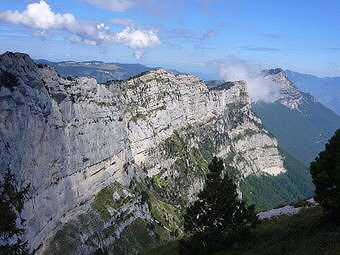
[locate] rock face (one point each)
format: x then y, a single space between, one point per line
290 96
106 160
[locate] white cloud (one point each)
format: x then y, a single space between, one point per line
138 40
80 40
41 17
259 89
112 5
38 15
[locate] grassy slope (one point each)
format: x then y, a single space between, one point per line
304 234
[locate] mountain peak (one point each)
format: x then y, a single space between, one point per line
274 71
22 66
9 60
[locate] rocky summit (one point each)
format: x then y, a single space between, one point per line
113 166
290 96
298 120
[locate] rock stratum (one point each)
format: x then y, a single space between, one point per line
113 166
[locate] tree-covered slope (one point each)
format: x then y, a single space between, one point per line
267 192
302 134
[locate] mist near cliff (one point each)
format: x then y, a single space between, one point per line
259 88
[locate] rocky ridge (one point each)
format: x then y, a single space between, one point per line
290 95
105 158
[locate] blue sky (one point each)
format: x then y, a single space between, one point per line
191 35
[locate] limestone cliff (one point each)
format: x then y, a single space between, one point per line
290 96
108 160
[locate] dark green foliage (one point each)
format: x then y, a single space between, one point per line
7 79
217 217
302 134
326 177
11 205
306 233
267 192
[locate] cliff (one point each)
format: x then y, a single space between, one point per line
106 160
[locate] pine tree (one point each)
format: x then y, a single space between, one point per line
217 217
11 205
325 172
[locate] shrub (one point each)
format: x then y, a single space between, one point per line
325 172
217 217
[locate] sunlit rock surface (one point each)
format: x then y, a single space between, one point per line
107 159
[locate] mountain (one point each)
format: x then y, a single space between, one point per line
301 123
113 166
326 89
101 71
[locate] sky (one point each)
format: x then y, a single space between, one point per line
195 36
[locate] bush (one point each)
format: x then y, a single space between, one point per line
11 205
325 172
217 218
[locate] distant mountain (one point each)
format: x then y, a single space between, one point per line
301 123
101 71
326 89
298 120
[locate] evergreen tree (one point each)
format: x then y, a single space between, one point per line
217 217
325 172
11 205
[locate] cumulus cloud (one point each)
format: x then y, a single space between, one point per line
138 40
40 16
259 89
112 5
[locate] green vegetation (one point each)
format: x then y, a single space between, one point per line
246 133
65 241
106 104
301 134
132 85
177 146
303 234
138 236
191 164
267 192
217 216
326 177
12 201
166 215
109 197
301 203
138 116
141 234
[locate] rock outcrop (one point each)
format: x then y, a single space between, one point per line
290 95
104 160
